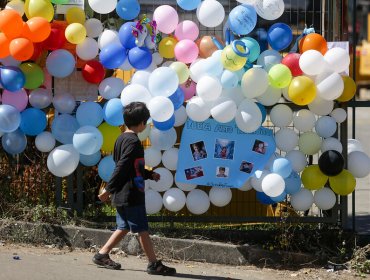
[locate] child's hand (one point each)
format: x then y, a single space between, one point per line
104 195
156 176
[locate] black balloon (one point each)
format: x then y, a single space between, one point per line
331 163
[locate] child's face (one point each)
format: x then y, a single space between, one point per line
260 145
196 149
221 171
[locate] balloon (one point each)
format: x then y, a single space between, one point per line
273 185
264 198
170 158
180 116
111 87
254 82
212 66
12 78
153 202
329 85
33 121
182 71
207 46
94 27
304 120
220 197
125 35
242 19
161 108
269 58
18 99
197 109
197 201
152 156
141 77
325 126
270 97
163 140
90 160
110 134
248 116
10 118
229 79
104 7
60 63
325 199
10 23
177 98
128 9
313 178
75 15
292 183
337 59
163 82
231 60
112 56
21 49
302 90
39 8
174 199
14 142
45 142
269 9
297 159
187 29
135 92
188 5
63 128
291 60
34 75
349 89
140 57
113 112
186 51
166 125
358 164
39 29
210 13
40 98
354 145
16 5
165 182
254 48
157 58
106 167
279 36
59 2
166 18
209 88
145 133
4 46
64 103
93 72
166 47
320 106
189 89
302 200
281 166
281 115
312 62
343 184
224 110
313 41
280 76
331 143
88 49
56 39
87 140
339 114
75 33
89 113
309 143
331 163
286 139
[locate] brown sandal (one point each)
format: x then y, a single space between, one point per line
105 261
158 268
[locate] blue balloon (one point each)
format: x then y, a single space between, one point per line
125 35
33 121
140 57
264 198
263 111
106 167
229 79
89 113
90 160
12 78
10 118
64 127
112 56
261 37
177 98
113 112
282 166
293 183
279 36
60 63
254 48
163 126
242 19
188 5
14 142
128 9
279 198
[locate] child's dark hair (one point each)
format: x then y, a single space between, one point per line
221 168
135 113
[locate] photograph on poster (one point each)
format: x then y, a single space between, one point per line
224 149
222 172
198 150
194 172
246 166
259 147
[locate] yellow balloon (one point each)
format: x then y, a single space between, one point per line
344 183
75 33
182 71
110 135
166 47
302 90
349 89
75 14
39 8
313 178
230 60
309 143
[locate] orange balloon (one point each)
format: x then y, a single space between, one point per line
39 29
26 32
4 46
21 49
10 23
206 46
313 41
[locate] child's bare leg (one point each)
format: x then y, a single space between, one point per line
147 245
113 240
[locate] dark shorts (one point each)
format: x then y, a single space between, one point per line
132 218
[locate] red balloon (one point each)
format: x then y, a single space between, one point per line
38 48
55 40
292 62
93 72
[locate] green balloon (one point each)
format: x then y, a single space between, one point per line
34 75
60 2
280 76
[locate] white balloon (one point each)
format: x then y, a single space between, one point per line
358 164
111 87
157 58
255 82
269 58
224 110
103 7
45 142
234 94
329 85
286 94
186 187
304 120
220 197
94 27
87 140
339 114
108 37
325 199
63 160
141 78
167 63
248 116
16 5
354 145
170 158
286 139
273 185
331 144
325 126
163 140
40 98
197 109
270 97
256 179
269 9
180 116
152 156
145 133
321 106
88 49
210 13
174 199
64 103
197 69
163 81
165 182
281 115
247 186
153 201
297 159
250 2
209 88
126 66
197 202
312 62
302 200
161 108
337 59
135 93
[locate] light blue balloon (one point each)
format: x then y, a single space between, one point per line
90 160
279 198
293 183
113 112
60 63
14 142
87 140
254 48
128 9
106 167
212 66
10 118
64 127
188 5
163 126
229 79
242 19
269 58
163 82
89 113
281 166
33 121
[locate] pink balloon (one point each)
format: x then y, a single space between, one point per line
166 18
187 29
186 51
189 89
18 99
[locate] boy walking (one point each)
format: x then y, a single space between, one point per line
126 188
